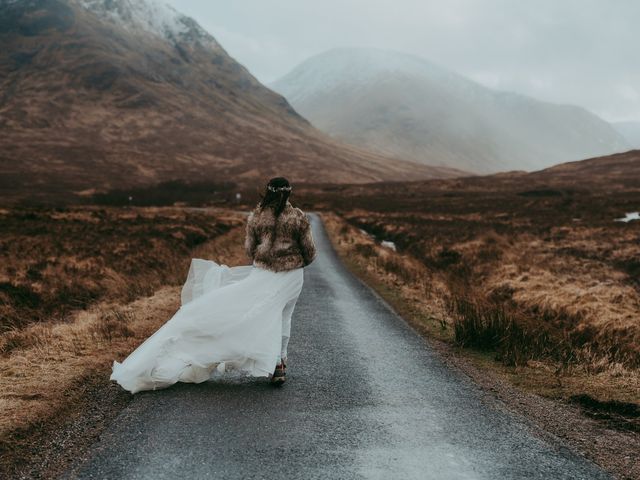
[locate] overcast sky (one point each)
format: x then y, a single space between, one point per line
584 52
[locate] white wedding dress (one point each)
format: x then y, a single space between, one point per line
233 321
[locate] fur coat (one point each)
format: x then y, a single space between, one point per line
279 244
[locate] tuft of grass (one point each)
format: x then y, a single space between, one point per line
491 327
113 324
623 415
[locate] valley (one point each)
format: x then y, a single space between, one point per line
93 97
505 230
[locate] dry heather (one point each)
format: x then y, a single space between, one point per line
549 285
53 262
569 294
121 257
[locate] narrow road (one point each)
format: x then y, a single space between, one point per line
366 398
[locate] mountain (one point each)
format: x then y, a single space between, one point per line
630 131
102 94
404 106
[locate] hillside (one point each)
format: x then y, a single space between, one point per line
101 94
404 106
606 177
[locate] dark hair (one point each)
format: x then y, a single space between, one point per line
276 195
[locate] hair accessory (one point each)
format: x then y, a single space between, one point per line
278 189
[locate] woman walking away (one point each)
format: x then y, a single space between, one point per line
233 321
279 240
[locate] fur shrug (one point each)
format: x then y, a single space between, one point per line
282 243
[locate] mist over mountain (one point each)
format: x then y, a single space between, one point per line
630 131
101 94
405 106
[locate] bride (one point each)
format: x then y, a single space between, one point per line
232 320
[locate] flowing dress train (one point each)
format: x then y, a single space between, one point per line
233 320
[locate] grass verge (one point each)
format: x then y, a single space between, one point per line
54 372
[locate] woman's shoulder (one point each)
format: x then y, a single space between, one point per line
296 213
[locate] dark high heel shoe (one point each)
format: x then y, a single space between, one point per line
279 375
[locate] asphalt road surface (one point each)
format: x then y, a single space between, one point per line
365 398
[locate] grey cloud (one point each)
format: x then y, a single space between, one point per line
581 52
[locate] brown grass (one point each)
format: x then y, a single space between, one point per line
545 339
53 262
45 360
545 262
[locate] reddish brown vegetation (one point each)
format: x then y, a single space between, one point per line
57 261
75 286
92 105
532 267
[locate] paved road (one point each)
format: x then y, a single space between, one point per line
366 398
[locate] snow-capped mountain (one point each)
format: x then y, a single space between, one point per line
354 67
405 106
153 17
99 94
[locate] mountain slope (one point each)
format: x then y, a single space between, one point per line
404 106
621 170
98 94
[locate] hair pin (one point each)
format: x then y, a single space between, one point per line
278 189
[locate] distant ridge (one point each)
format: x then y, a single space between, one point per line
405 106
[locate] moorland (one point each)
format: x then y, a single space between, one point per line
536 270
79 287
530 275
